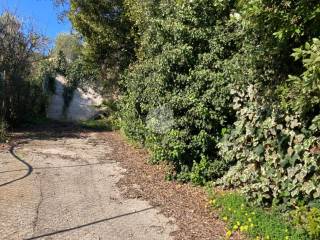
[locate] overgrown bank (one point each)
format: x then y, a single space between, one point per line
225 91
239 85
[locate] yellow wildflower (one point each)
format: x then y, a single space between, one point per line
228 233
244 228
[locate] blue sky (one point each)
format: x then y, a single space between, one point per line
41 13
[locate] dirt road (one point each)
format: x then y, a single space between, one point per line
65 188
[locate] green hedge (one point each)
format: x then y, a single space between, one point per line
181 83
178 100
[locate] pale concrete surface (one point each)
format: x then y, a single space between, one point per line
82 106
65 189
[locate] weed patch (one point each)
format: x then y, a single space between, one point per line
255 222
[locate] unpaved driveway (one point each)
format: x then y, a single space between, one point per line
65 188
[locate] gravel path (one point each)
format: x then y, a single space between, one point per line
65 187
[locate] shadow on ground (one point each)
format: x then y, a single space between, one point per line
28 166
88 224
51 130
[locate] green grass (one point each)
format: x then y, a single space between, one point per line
100 125
255 222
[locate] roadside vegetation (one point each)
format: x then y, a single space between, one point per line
254 221
24 76
227 92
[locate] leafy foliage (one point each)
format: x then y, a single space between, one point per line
274 28
275 155
61 63
69 44
302 94
175 71
189 57
44 73
308 219
21 93
105 30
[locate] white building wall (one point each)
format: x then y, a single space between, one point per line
82 106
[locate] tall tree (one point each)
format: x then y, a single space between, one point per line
106 33
69 44
19 48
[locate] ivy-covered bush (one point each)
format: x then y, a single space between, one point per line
275 148
276 156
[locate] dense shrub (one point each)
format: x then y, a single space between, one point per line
276 152
22 95
190 54
44 73
105 29
274 28
180 71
